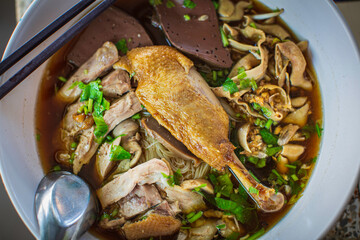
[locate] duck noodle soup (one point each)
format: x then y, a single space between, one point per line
191 119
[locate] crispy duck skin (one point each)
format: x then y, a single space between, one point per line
180 100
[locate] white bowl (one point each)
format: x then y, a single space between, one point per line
336 61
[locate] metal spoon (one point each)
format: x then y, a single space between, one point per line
65 206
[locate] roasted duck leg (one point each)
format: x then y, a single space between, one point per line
180 100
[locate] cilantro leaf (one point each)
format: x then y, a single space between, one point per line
230 86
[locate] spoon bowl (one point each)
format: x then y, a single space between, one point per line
65 206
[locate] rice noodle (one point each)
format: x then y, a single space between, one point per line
153 149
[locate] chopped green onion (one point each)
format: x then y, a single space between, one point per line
109 138
132 74
136 116
187 17
86 111
195 217
314 159
189 4
253 190
266 111
214 75
86 71
268 123
279 176
90 104
290 166
275 40
38 136
190 215
252 25
220 73
105 216
155 2
318 129
56 168
256 235
224 38
221 226
294 177
259 122
252 174
73 145
62 79
216 4
121 45
230 86
169 4
198 188
114 213
81 109
256 106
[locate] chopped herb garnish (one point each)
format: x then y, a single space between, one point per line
190 215
62 79
241 73
294 177
318 129
114 213
221 226
230 86
56 168
214 74
233 236
38 136
121 45
253 190
86 71
256 235
187 17
177 177
271 151
101 127
169 4
198 188
266 111
105 216
195 217
132 74
314 159
155 2
259 122
189 4
268 137
73 145
224 38
290 166
252 174
252 25
268 124
216 4
118 153
136 116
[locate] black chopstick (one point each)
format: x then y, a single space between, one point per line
52 48
43 34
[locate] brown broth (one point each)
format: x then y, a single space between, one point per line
50 111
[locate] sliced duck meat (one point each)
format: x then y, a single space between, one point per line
154 225
169 141
147 173
100 62
103 163
130 140
195 31
116 84
85 149
114 25
111 224
139 200
72 123
188 200
120 110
